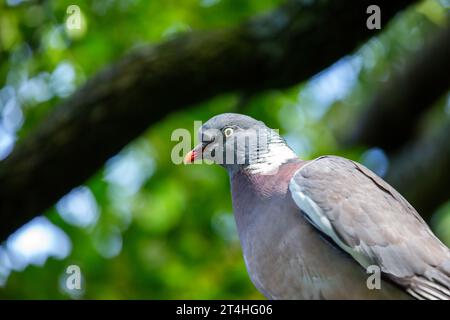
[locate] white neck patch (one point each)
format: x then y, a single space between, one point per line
276 154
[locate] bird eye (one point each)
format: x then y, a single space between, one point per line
228 132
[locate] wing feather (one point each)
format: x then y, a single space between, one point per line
372 222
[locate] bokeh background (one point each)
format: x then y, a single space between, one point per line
143 227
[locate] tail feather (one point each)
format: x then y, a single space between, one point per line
435 285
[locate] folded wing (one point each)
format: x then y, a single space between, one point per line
372 222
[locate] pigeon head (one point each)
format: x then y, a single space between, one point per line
239 142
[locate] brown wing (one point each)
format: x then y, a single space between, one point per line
370 220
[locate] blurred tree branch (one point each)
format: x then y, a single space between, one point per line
419 167
278 49
421 170
398 106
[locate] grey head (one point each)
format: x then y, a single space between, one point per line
239 142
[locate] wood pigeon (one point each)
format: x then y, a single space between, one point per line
313 229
